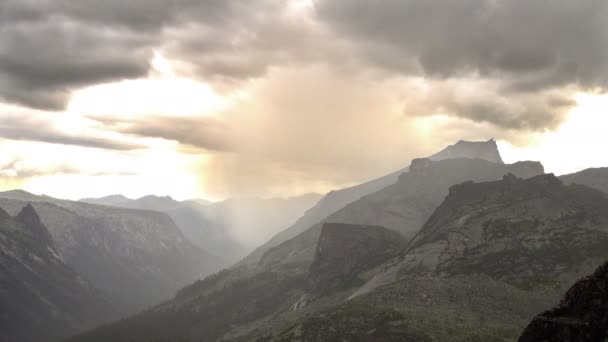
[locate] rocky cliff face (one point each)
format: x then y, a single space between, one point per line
344 250
41 298
581 316
486 150
514 230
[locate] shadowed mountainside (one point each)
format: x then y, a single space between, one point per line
41 298
581 316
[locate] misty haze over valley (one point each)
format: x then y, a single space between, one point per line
303 170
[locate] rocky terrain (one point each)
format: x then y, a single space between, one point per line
582 314
136 258
336 200
41 298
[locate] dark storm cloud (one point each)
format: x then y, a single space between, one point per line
48 48
20 127
514 37
528 47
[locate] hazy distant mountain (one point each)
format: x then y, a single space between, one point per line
230 228
336 200
136 257
582 315
41 298
595 178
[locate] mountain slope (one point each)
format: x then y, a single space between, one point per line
336 200
581 316
594 178
41 298
487 258
137 258
228 229
403 206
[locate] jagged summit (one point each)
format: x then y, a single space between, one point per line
31 220
487 150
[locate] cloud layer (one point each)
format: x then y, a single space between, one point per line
313 90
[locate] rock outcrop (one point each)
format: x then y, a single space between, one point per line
516 230
487 150
581 316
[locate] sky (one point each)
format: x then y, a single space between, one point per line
231 98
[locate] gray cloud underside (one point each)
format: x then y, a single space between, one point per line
200 132
22 128
529 48
15 169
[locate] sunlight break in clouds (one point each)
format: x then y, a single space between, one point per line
577 144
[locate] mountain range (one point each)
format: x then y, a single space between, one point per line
458 246
297 291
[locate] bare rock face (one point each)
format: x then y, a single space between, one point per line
581 316
486 150
344 250
514 230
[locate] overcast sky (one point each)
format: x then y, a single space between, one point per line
218 98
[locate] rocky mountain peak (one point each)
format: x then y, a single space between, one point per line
487 150
30 219
420 165
581 316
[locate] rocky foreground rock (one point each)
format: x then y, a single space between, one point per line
581 316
